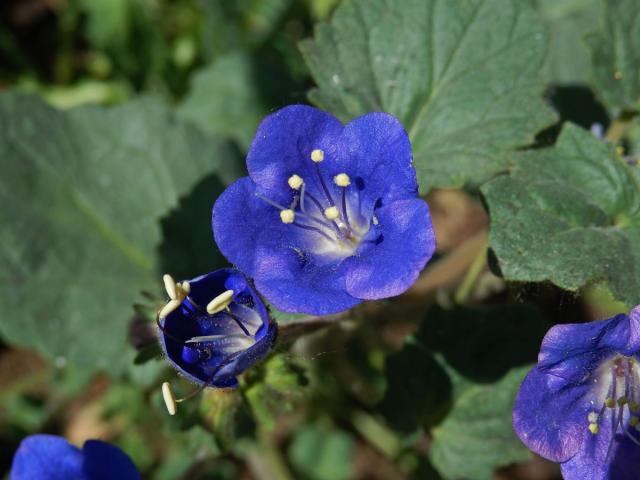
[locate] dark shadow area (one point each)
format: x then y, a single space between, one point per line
188 248
483 344
574 103
419 391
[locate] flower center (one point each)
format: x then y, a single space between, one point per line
620 387
338 228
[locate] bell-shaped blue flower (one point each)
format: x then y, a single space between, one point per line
49 457
214 327
329 215
580 405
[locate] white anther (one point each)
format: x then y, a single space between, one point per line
331 213
169 307
287 216
375 220
593 417
317 155
170 286
219 303
342 180
295 181
169 399
185 287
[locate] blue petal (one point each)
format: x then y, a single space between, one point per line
573 351
376 149
46 457
392 264
241 222
283 144
296 286
106 462
595 462
550 416
248 358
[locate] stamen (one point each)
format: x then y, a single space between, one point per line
238 322
324 186
331 213
169 399
633 421
287 216
170 286
295 182
219 303
610 402
317 155
169 307
314 229
593 417
342 180
344 208
593 428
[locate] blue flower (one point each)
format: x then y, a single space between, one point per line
329 215
214 327
579 406
49 457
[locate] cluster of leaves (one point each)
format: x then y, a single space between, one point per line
97 201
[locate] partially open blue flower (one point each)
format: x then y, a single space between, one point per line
49 457
580 405
329 214
214 327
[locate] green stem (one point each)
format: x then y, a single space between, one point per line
619 127
477 267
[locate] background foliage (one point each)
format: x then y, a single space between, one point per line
122 120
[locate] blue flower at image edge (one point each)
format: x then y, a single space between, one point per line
580 405
329 215
50 457
216 328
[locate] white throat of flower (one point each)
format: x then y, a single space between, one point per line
617 384
335 224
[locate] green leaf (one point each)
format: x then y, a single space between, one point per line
568 60
569 214
463 77
321 453
275 387
224 99
615 51
476 437
83 194
418 389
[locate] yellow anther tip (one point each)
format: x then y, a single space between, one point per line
169 399
219 303
634 407
331 213
593 428
287 216
610 402
622 401
169 285
633 421
317 155
295 182
342 180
